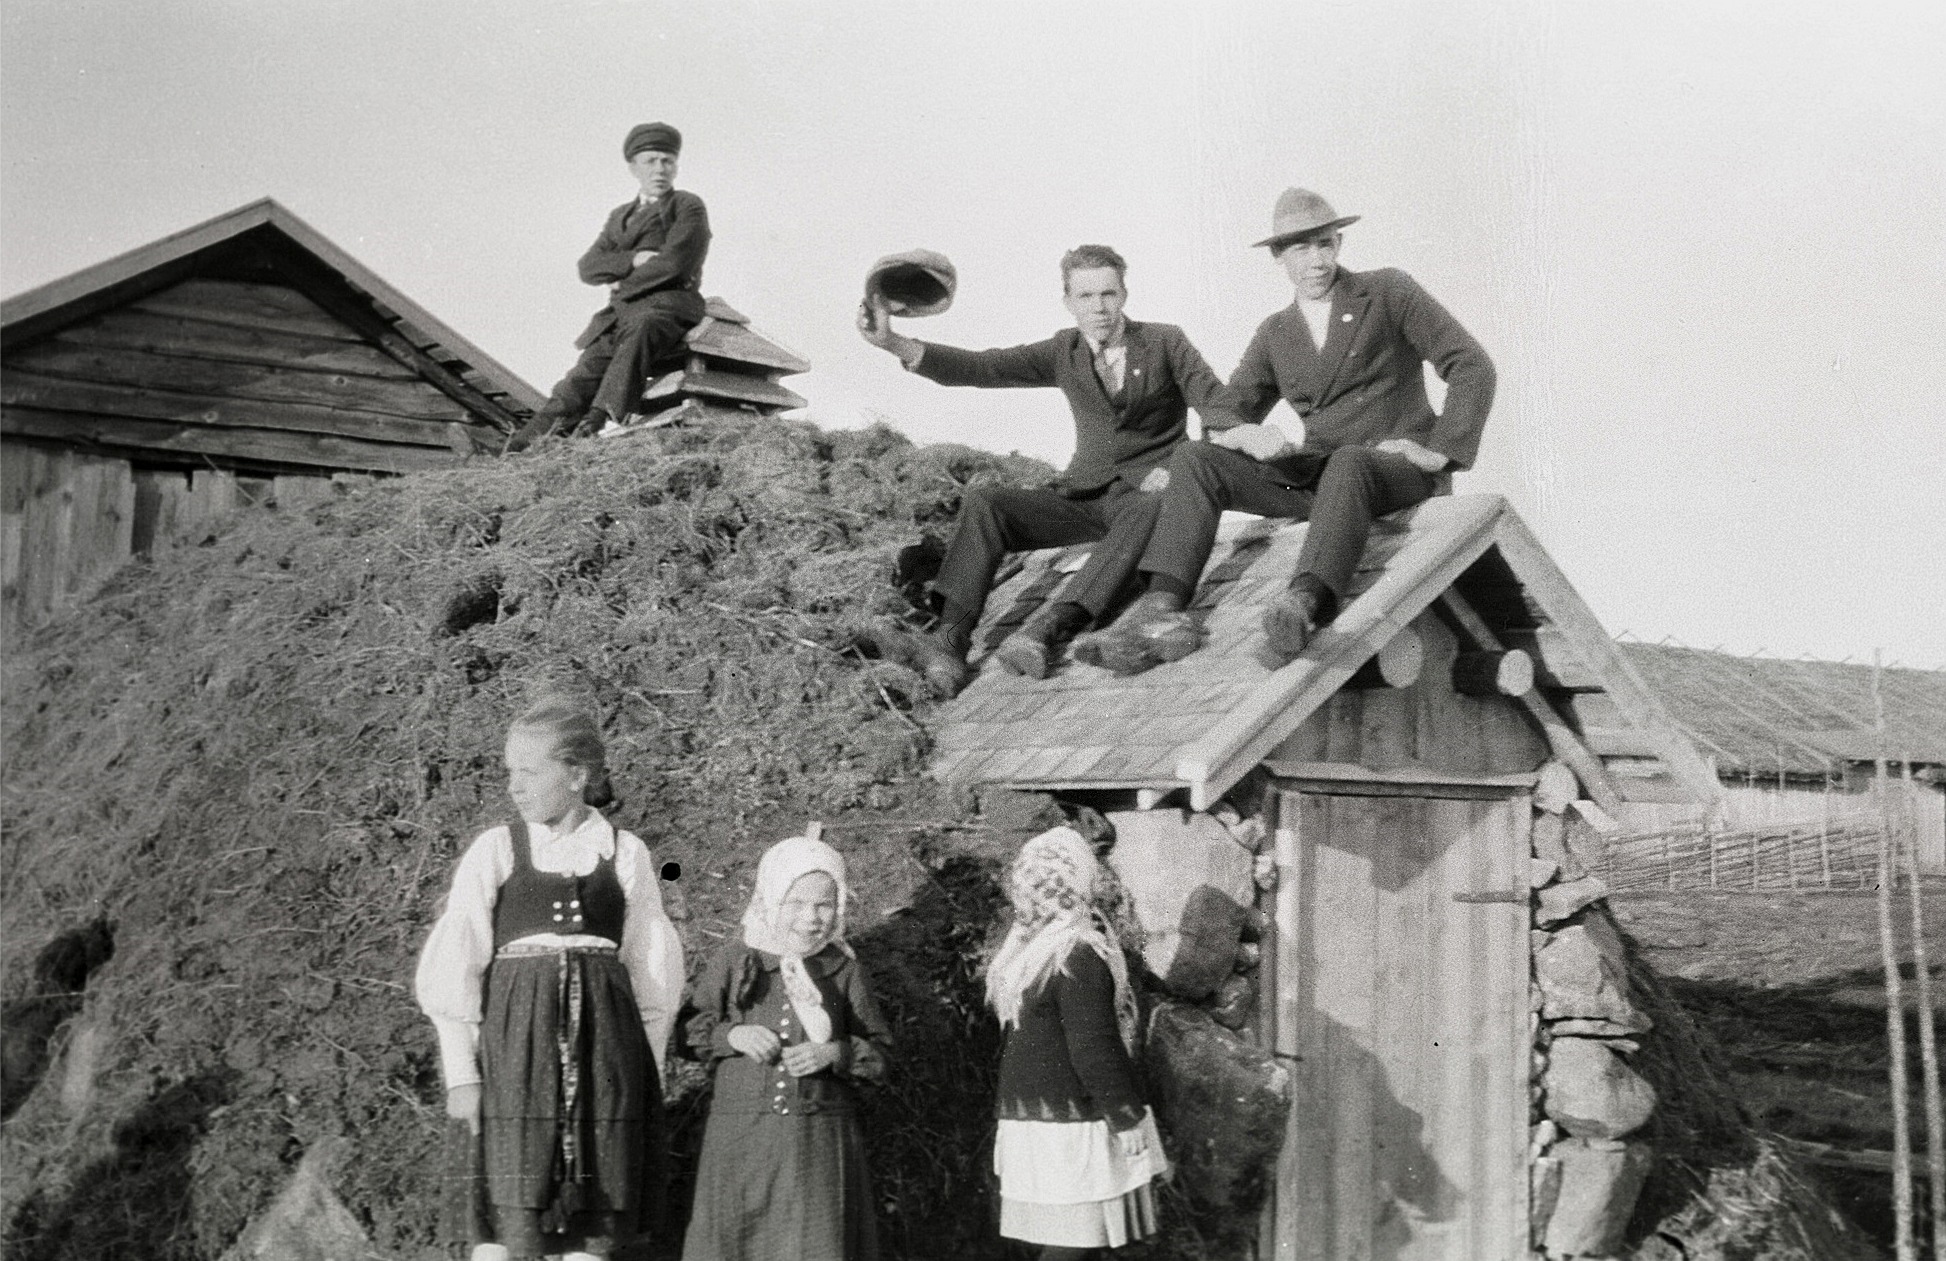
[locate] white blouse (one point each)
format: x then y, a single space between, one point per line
453 965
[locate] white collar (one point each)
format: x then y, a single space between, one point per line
1117 340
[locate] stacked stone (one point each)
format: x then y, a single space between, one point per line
1586 1101
1223 1100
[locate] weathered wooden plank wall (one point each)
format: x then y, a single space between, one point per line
1403 1012
69 518
237 371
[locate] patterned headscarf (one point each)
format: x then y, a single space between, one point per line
1062 880
782 866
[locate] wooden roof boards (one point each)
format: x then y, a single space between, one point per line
1203 722
725 360
251 340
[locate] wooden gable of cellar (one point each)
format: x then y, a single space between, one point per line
247 359
1457 575
1411 760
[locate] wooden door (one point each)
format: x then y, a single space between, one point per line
1400 979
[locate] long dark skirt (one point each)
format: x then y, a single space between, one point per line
571 1139
772 1187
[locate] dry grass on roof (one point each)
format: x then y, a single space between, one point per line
1753 711
260 757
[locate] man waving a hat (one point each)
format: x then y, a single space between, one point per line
1348 356
650 255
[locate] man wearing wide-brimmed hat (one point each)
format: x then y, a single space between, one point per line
650 255
1130 385
1348 356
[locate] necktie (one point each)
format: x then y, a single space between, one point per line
1105 368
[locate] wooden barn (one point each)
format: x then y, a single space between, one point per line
244 360
1400 782
1795 744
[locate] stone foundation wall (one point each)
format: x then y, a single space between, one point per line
1587 1105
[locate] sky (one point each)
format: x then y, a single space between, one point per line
1705 243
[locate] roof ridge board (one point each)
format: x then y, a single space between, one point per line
382 290
1225 753
1523 552
132 263
44 301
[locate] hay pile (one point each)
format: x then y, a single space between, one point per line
260 757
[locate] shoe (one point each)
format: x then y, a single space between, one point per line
1149 632
1289 623
538 426
945 671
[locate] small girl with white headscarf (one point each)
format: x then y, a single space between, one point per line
787 1019
1077 1150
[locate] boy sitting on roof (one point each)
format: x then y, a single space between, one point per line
650 255
1130 386
1348 356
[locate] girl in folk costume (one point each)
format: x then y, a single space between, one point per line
553 978
1077 1150
787 1018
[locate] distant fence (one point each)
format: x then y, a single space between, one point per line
1777 858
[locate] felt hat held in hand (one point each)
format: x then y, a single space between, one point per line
912 282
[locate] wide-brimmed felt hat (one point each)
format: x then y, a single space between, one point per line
1301 213
913 282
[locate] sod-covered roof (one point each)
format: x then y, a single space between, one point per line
1201 723
1761 715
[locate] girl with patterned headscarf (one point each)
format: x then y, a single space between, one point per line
787 1020
1077 1150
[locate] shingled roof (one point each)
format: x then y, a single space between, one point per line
1763 716
1201 723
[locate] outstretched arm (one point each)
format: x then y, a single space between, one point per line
875 326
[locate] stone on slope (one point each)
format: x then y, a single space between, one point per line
1191 885
1600 1180
1591 1093
1583 971
1223 1105
307 1221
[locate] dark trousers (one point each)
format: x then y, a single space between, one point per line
614 368
995 520
1351 487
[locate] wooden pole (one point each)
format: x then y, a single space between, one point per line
1894 1001
1928 1038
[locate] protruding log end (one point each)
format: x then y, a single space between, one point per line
1509 673
1397 664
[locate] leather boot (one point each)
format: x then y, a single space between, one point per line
1149 632
1289 623
538 426
943 667
1030 650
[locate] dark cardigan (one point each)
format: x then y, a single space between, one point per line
1065 1061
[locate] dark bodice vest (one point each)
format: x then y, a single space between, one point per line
533 901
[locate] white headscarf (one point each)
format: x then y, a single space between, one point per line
782 865
1059 872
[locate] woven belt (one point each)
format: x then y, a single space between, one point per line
523 949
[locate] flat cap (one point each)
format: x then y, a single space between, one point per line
660 136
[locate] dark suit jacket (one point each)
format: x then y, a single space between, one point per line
1165 377
1368 384
677 229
